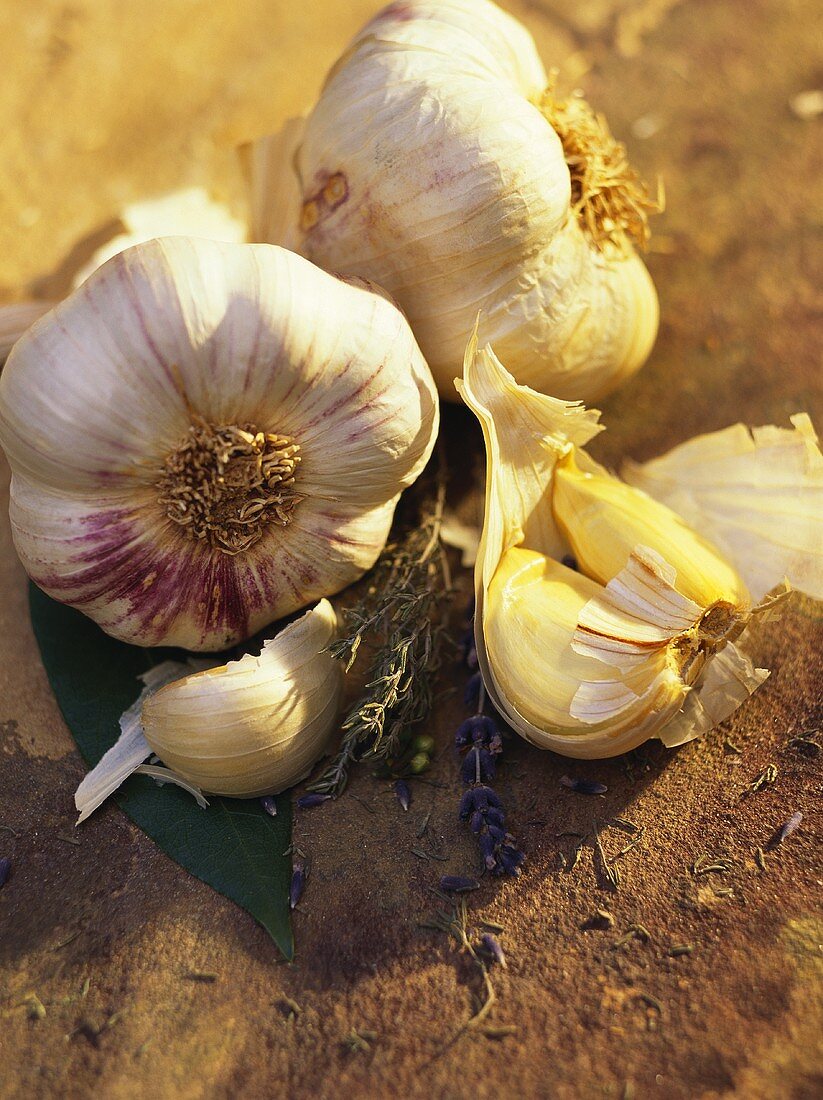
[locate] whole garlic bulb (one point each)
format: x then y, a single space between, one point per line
635 637
436 162
207 436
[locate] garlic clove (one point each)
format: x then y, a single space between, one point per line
638 644
551 687
257 725
434 164
604 519
15 319
758 495
205 437
188 212
275 198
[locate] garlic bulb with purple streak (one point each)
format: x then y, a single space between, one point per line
206 436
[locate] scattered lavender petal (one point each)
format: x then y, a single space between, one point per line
786 830
471 696
5 868
298 882
583 786
269 805
314 798
471 659
569 561
492 947
455 884
403 792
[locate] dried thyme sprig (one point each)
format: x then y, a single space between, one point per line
403 615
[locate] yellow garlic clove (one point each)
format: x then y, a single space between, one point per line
530 628
436 163
604 519
641 643
257 725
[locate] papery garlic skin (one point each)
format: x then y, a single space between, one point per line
178 355
255 726
640 642
428 166
757 494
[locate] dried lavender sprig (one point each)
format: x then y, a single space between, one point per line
5 870
480 806
269 804
404 611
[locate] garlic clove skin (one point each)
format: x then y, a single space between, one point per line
757 494
254 726
429 166
179 356
641 642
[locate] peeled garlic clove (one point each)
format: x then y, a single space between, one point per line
638 644
257 725
206 436
757 494
549 684
438 163
604 519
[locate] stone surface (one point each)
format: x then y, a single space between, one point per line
103 102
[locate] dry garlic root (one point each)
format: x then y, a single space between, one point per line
205 437
251 727
439 163
638 640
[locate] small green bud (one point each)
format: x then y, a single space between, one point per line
419 762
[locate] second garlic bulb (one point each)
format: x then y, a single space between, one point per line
438 163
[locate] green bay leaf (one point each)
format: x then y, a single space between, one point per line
234 845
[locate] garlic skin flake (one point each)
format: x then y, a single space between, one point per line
434 164
639 640
257 725
205 437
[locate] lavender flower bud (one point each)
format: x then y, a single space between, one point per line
5 868
455 884
786 830
403 792
298 882
487 846
471 696
492 947
467 804
269 804
313 798
509 860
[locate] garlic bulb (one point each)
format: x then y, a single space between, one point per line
636 640
207 436
251 727
439 163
